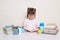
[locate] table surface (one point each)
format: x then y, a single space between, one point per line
29 36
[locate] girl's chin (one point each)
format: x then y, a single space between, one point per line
32 19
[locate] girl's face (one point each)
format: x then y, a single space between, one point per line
31 16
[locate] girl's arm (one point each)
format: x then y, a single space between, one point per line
38 27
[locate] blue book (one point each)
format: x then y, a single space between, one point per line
15 31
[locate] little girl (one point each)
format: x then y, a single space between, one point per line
31 24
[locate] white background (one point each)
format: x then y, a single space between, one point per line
14 11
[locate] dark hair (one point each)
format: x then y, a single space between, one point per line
31 11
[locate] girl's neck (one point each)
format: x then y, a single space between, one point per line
31 19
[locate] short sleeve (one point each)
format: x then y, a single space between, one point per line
25 22
37 23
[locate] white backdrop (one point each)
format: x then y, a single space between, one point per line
14 11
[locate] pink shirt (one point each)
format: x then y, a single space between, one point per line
31 24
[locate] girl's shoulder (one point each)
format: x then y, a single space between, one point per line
26 20
35 19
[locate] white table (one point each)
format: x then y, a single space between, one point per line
29 36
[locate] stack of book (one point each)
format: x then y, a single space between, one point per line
12 29
51 28
8 29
